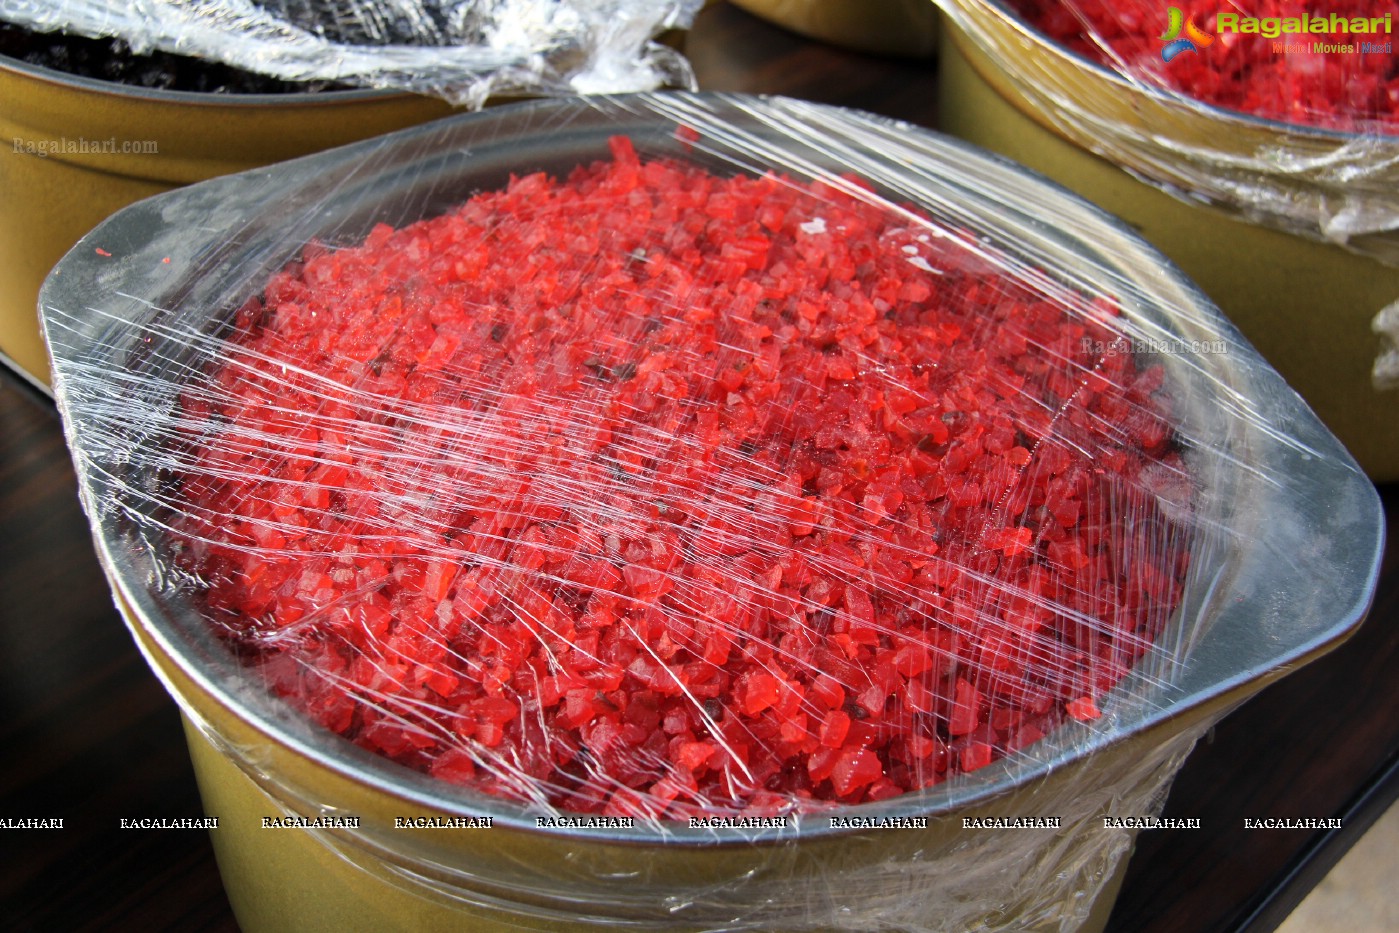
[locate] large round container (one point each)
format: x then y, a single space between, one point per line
1285 538
77 149
1308 305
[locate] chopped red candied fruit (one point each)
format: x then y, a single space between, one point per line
1321 70
650 491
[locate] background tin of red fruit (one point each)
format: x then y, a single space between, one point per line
1160 161
1288 536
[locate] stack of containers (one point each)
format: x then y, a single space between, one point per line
517 614
1260 153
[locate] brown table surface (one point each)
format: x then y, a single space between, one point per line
89 736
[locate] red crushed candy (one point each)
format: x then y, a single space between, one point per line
1083 709
1303 78
651 492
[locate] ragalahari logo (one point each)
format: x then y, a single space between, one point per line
1193 40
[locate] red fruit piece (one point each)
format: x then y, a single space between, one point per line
854 769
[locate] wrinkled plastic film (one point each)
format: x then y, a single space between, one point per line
464 51
1303 141
723 468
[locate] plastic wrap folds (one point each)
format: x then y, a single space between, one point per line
1286 116
462 50
755 509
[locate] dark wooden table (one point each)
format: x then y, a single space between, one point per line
89 736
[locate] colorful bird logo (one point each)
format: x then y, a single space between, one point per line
1194 39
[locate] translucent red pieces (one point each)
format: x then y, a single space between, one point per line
1282 78
658 492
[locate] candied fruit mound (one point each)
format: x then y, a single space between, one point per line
1336 80
658 493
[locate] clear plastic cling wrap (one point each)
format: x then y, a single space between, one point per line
464 51
672 472
1282 112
